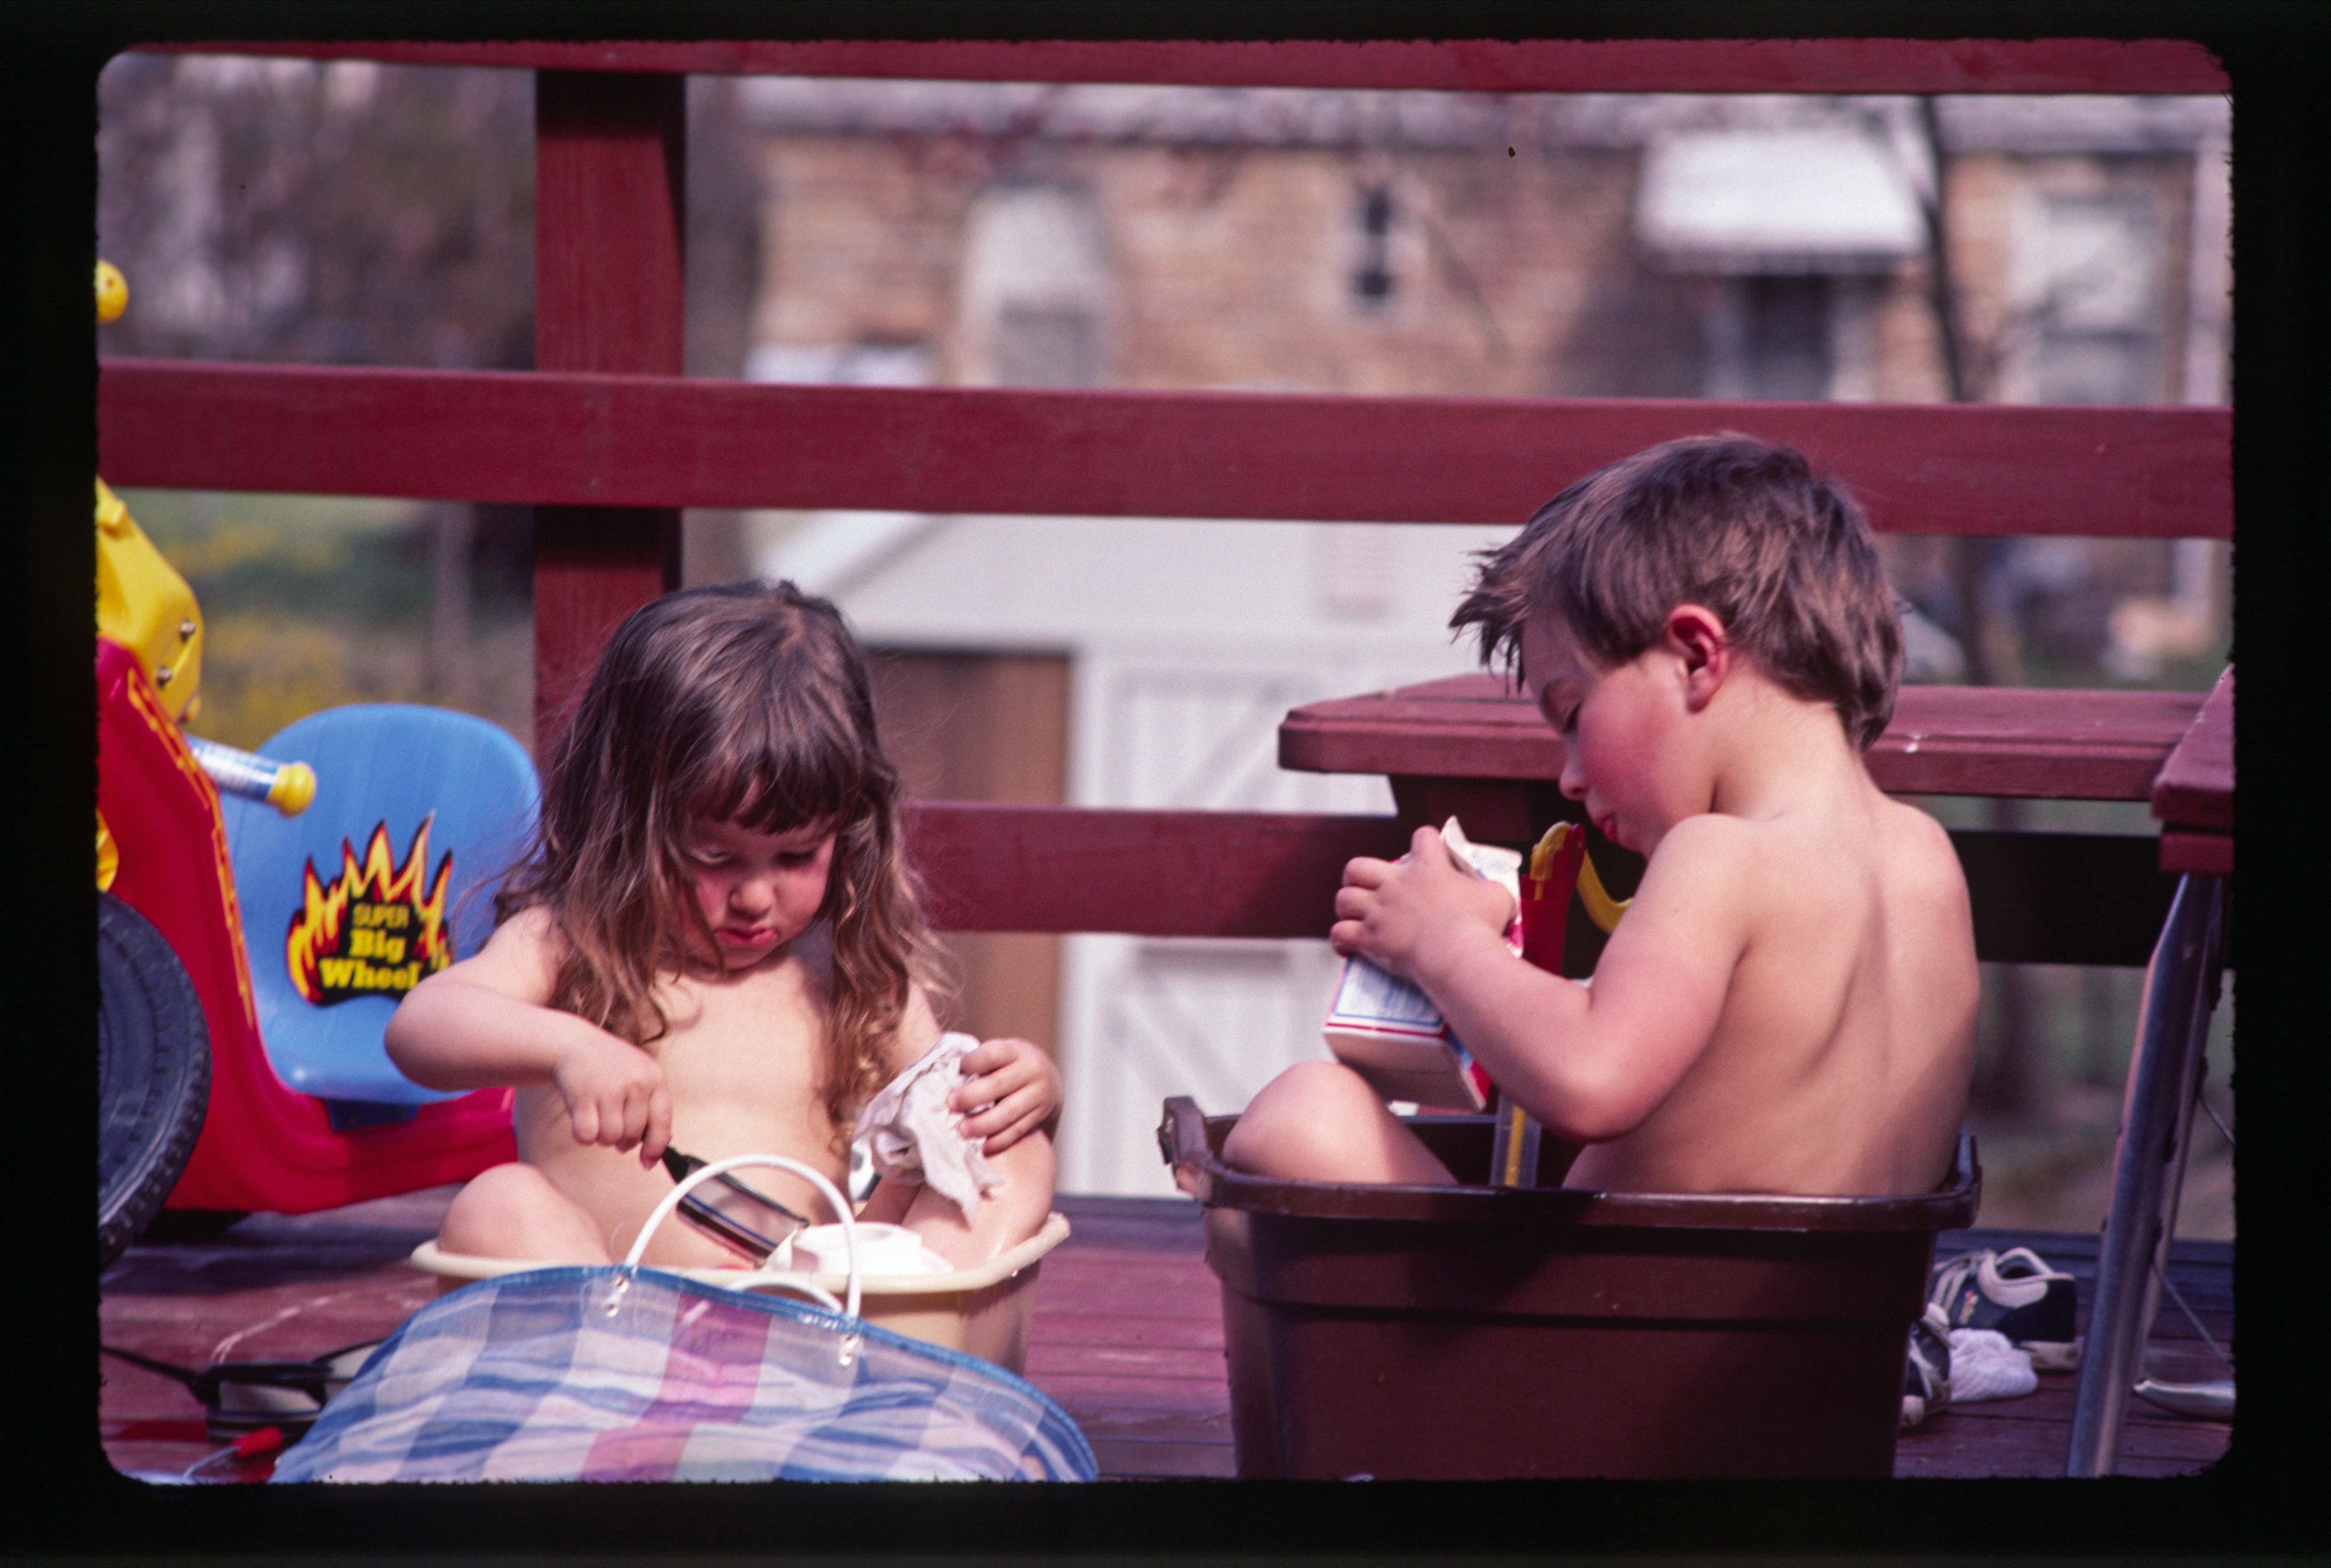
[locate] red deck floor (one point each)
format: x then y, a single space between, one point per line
1128 1338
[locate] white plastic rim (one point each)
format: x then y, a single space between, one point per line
702 1174
879 1290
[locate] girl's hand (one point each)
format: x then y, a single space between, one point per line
1389 911
614 1094
1018 1088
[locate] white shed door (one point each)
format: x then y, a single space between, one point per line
1145 1019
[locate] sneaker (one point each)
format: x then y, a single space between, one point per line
1926 1374
2017 1294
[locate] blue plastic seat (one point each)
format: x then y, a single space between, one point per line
384 771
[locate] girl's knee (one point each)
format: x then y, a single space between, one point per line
1006 1215
1028 1164
1024 1197
514 1211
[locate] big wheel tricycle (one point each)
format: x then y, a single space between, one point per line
258 920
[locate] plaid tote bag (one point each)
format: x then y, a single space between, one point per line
607 1373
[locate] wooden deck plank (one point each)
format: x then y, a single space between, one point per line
1204 1363
1057 1327
1126 1336
1152 1294
1164 1458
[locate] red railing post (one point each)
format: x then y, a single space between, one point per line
610 210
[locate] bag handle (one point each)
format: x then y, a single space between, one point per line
835 1199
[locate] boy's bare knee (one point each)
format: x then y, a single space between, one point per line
1306 1089
1319 1121
1299 1120
514 1211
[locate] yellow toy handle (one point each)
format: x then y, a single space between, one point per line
112 292
1601 908
288 786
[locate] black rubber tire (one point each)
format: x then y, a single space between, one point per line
153 1073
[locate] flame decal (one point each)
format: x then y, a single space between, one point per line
372 931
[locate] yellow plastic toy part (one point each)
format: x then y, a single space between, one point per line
1601 908
112 292
293 789
1541 858
145 607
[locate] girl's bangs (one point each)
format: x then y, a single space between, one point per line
786 775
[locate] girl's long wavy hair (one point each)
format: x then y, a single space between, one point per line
745 702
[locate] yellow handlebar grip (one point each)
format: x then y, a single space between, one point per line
112 292
294 788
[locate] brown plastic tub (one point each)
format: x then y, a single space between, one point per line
1478 1332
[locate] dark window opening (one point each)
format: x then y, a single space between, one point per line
1372 280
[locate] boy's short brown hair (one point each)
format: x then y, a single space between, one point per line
1747 529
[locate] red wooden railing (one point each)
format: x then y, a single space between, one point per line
608 441
610 210
639 440
1471 65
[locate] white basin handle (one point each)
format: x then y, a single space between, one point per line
835 1199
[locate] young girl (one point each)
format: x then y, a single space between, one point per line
713 940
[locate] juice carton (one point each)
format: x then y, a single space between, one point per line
1391 1033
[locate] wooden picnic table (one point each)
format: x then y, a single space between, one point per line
2194 796
1473 746
2043 742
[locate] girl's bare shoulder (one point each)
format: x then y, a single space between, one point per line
918 1031
521 958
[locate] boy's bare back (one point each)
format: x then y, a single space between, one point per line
1789 1005
1841 1050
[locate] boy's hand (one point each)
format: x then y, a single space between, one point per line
1017 1086
614 1094
1389 911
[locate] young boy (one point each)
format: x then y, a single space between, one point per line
1789 1005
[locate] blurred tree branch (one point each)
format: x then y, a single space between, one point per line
2015 1079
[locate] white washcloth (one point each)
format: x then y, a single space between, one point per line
912 1135
1985 1364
